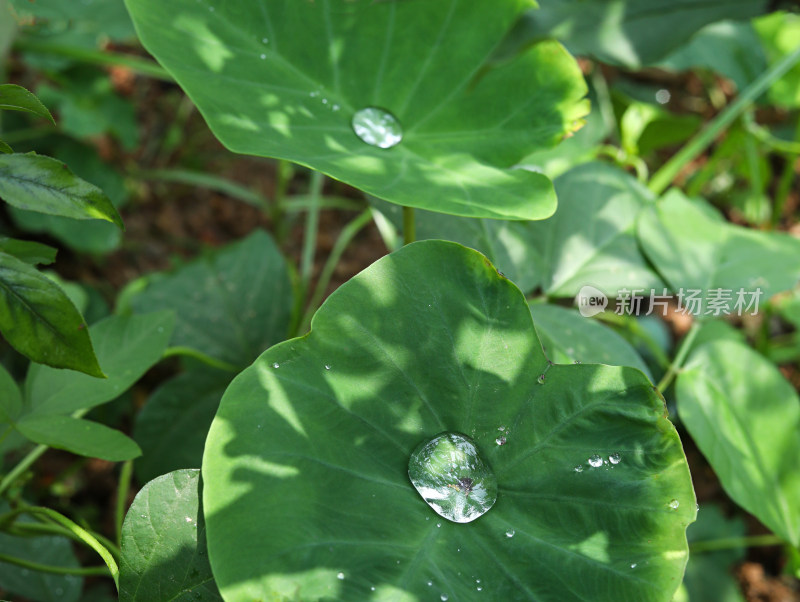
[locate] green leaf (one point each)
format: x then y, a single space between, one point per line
745 418
779 33
126 347
17 98
306 462
164 543
38 319
10 397
35 585
172 427
284 79
5 148
28 251
630 33
693 248
709 574
43 184
82 437
231 304
568 338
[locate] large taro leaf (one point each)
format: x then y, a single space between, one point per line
630 33
307 493
745 418
282 78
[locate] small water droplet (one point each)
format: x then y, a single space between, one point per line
540 380
372 589
501 428
377 127
340 575
595 461
276 365
430 583
510 533
579 468
263 56
327 366
450 474
265 40
614 458
500 441
143 515
335 107
188 519
633 566
438 525
444 597
674 504
479 588
314 94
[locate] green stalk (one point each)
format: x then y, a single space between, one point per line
21 467
96 57
311 230
204 180
727 543
122 497
346 236
664 176
99 571
199 356
409 226
51 529
680 357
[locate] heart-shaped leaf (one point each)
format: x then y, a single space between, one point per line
282 78
164 543
306 464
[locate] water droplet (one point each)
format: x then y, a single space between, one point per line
265 40
674 504
510 533
430 583
579 468
479 588
500 441
377 127
501 428
335 107
314 94
614 458
595 461
263 56
443 597
340 575
452 477
540 380
327 366
438 525
276 365
188 519
143 515
633 566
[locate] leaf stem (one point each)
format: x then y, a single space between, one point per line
726 543
48 528
199 356
123 488
664 176
311 230
680 357
21 467
100 571
409 225
347 235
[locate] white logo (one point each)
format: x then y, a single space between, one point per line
590 301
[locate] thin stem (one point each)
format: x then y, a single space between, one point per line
312 227
122 496
624 159
96 57
680 357
50 529
664 176
726 543
348 233
203 180
409 226
100 571
199 356
21 467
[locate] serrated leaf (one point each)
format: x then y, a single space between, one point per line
37 183
82 437
745 418
172 427
164 544
126 348
306 461
281 78
28 251
38 319
17 98
230 304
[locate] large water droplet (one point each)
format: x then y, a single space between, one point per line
377 127
614 458
453 478
595 461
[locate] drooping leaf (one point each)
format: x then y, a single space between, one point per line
745 418
231 304
126 348
17 98
38 319
285 79
306 462
172 427
569 338
693 248
630 33
164 543
82 437
36 585
37 183
28 251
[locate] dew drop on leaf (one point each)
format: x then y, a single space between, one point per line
510 533
450 474
377 127
540 380
595 461
340 576
579 468
614 458
500 441
674 504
